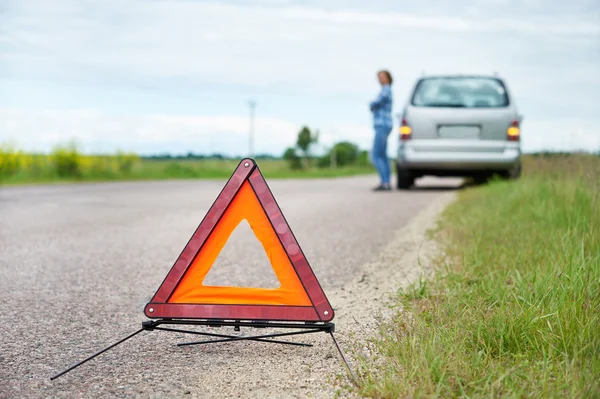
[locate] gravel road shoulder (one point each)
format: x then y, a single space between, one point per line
261 371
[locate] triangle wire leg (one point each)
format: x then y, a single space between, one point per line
255 338
98 353
273 341
355 380
228 336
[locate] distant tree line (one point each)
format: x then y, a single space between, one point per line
343 153
192 156
299 156
550 154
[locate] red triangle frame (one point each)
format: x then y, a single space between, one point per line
320 311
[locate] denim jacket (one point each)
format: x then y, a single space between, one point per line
382 108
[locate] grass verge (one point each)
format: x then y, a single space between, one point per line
514 310
66 164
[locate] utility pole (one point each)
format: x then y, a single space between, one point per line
252 105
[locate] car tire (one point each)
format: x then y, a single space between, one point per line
516 172
480 180
513 174
404 179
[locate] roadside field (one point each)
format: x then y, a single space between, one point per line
68 165
514 308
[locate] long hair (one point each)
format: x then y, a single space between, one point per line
388 74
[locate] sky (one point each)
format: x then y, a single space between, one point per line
173 76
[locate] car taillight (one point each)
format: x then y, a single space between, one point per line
405 130
513 133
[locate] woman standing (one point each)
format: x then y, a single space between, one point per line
383 124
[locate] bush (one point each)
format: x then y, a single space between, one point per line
345 153
99 166
293 159
126 161
67 160
10 161
363 159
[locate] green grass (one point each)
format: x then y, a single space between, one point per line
514 310
36 169
224 168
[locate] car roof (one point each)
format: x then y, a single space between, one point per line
457 75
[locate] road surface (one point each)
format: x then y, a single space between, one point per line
79 262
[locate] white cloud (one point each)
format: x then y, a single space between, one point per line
95 131
327 53
558 133
539 26
299 47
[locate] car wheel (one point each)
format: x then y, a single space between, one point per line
479 180
513 174
404 179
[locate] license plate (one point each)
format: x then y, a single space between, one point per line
459 132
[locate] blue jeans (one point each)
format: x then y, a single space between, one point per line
379 154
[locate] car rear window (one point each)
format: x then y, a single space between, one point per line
468 92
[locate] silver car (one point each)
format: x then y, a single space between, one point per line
463 126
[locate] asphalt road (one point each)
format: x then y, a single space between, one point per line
79 262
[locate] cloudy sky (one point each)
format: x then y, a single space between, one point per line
176 75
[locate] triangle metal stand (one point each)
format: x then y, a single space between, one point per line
155 325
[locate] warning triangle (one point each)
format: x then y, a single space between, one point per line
299 297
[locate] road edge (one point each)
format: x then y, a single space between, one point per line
365 302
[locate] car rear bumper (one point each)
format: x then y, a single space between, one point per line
456 157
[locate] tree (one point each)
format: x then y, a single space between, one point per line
305 139
363 158
294 160
344 153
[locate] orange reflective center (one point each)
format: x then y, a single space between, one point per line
245 205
